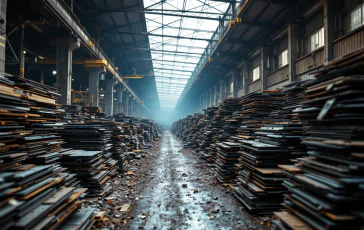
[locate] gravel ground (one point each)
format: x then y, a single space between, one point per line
171 188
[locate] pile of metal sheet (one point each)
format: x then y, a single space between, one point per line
227 156
39 102
38 198
119 149
72 113
265 142
326 188
35 191
89 166
96 163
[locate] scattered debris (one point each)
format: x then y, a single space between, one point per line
125 208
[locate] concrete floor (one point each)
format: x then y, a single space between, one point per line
181 193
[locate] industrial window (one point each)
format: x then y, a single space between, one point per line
256 73
283 58
317 39
356 19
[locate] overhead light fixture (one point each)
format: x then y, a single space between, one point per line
102 95
54 72
101 89
114 91
24 52
87 89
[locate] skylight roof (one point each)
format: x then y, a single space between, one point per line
174 55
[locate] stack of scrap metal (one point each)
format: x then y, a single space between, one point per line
42 143
264 146
119 149
38 198
226 110
259 186
257 108
14 110
86 136
226 158
206 134
89 166
95 137
326 188
72 113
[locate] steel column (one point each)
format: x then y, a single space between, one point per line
93 85
246 77
110 96
293 37
22 54
3 38
64 70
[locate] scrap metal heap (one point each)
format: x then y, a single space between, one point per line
36 192
317 125
52 156
326 187
257 133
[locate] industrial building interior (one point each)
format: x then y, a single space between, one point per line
182 114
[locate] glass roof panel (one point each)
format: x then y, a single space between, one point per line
181 26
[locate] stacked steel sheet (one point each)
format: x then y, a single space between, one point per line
326 188
38 194
89 166
264 146
43 145
95 137
72 113
225 116
37 198
226 158
119 149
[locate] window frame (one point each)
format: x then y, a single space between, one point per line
283 58
256 69
319 36
359 7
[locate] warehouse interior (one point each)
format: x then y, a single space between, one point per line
182 114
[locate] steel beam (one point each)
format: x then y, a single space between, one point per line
181 62
163 51
173 13
160 35
179 70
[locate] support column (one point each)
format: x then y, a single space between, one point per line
246 78
110 96
293 50
234 77
216 95
119 100
22 51
2 40
207 99
264 54
331 7
64 69
211 97
200 104
131 105
126 103
137 110
94 85
221 97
